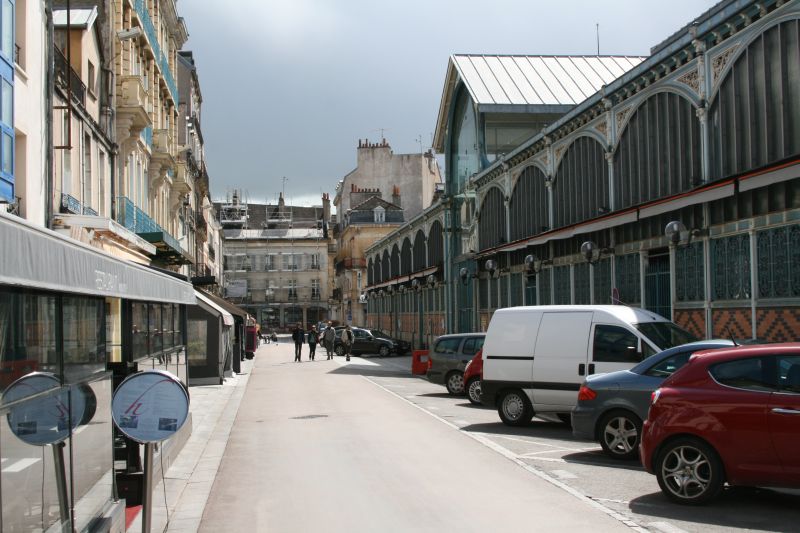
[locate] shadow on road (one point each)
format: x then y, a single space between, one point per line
435 395
354 369
739 507
537 428
598 458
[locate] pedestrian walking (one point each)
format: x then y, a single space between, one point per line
313 339
298 336
328 337
347 341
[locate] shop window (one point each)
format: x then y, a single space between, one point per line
27 335
139 331
83 337
197 345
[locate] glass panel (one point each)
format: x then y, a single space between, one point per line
197 347
602 282
730 259
689 274
8 28
156 333
665 334
7 97
114 329
562 285
668 366
139 331
448 346
8 153
581 283
615 344
750 374
789 373
84 337
27 335
166 318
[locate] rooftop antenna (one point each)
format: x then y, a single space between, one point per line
382 130
597 30
419 140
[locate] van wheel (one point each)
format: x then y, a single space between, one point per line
473 388
619 433
515 408
689 471
454 383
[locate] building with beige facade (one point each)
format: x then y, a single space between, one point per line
276 260
377 197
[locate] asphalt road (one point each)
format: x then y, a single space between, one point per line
364 446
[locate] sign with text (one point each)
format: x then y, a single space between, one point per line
150 406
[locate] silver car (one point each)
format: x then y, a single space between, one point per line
611 407
449 356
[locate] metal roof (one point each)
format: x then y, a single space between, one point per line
538 80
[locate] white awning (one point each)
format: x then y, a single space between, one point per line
227 318
36 257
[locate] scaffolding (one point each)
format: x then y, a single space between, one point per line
234 212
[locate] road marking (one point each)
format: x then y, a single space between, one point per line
432 407
19 466
546 459
544 451
527 441
508 454
564 474
666 527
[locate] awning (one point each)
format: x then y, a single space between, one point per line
36 257
227 318
225 304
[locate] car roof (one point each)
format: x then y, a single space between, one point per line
740 352
697 346
461 335
623 313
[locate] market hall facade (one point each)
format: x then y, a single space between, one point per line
673 187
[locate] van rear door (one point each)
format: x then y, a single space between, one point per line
561 352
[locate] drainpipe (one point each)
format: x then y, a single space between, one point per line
49 175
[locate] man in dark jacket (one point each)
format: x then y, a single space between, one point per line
298 336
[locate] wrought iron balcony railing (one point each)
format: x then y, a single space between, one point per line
65 75
139 222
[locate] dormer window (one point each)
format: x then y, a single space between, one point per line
380 214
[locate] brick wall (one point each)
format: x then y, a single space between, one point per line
778 324
692 320
738 321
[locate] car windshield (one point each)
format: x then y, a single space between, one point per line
665 335
379 334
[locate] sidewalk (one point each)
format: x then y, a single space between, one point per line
190 477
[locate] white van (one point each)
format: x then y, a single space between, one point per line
535 358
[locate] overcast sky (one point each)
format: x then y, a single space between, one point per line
289 86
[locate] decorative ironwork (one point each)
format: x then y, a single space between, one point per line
66 74
562 286
779 262
690 273
719 63
70 204
691 79
602 281
89 211
582 284
730 268
152 36
628 274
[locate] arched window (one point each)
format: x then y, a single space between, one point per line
370 273
435 245
580 188
492 220
528 207
419 251
386 267
395 266
659 151
755 115
405 258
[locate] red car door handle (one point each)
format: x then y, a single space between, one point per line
782 411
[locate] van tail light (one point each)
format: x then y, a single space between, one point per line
655 396
586 394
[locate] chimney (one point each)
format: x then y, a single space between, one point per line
326 207
396 196
281 203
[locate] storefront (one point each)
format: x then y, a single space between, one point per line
211 341
73 313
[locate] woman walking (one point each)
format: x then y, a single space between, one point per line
313 339
298 336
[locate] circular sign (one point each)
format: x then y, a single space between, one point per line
150 406
44 412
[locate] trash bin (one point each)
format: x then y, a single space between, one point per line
419 362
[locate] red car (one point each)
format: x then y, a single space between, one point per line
728 416
473 373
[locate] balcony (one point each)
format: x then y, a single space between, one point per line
349 263
70 204
132 106
164 148
66 75
168 249
160 58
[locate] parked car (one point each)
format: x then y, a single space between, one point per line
370 341
728 416
472 378
448 357
535 358
611 407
